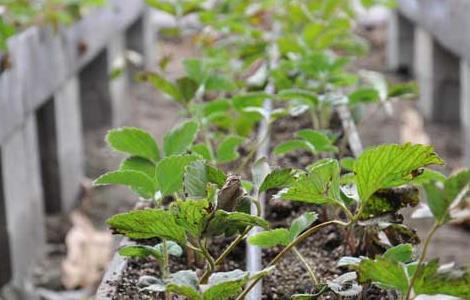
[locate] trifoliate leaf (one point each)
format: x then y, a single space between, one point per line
133 141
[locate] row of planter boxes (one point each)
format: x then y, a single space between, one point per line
57 87
429 38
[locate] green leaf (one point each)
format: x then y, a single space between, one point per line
219 83
270 238
225 285
138 181
403 90
428 176
320 141
163 85
253 99
390 165
386 201
170 170
432 281
347 163
227 150
301 223
202 150
139 251
195 180
180 139
292 145
319 186
163 6
135 163
146 224
440 198
401 253
133 141
229 223
278 178
386 273
192 215
188 88
216 176
365 95
304 190
185 283
304 96
172 248
259 171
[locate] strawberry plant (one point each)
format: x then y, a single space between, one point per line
261 62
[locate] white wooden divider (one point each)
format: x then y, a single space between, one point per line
430 37
48 98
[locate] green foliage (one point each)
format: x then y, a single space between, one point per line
227 150
389 166
156 251
441 197
180 139
138 181
311 140
282 236
133 141
146 224
170 170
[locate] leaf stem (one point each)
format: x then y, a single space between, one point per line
421 259
210 262
306 264
292 244
253 151
226 252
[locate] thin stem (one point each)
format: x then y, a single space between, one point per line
306 264
226 252
289 247
315 121
253 151
421 259
165 267
210 261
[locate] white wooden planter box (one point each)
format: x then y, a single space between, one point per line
46 100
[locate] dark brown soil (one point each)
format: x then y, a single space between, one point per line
127 288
